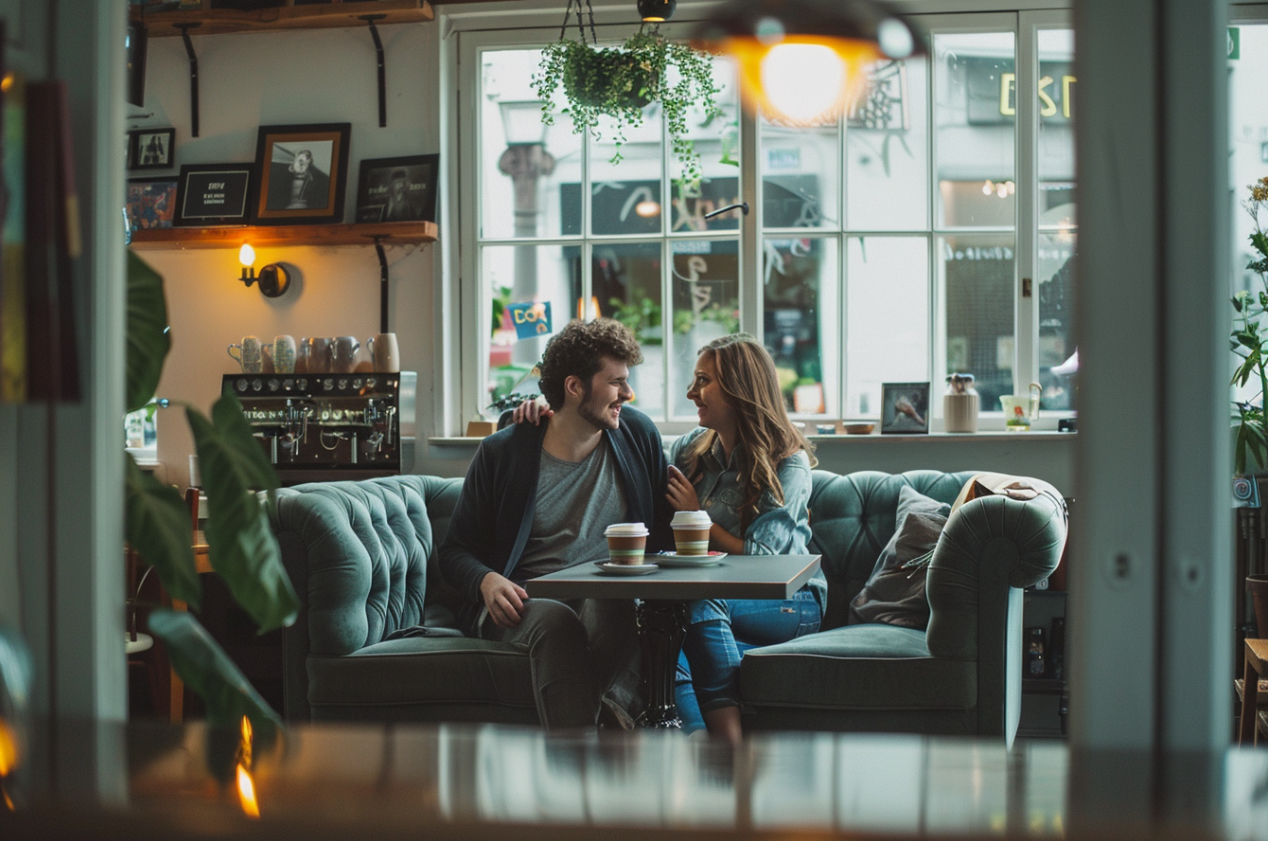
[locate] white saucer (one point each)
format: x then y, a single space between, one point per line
625 569
673 559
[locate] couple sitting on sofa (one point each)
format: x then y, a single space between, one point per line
538 497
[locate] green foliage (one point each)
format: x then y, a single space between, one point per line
1247 342
158 528
148 342
729 318
620 82
640 315
510 401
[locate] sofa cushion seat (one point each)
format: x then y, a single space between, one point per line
425 673
858 667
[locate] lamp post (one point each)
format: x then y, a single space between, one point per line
525 161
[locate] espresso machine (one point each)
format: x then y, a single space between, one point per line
323 427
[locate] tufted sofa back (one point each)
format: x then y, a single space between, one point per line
362 555
852 518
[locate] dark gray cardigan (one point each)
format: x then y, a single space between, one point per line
494 513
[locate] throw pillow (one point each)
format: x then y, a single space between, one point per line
895 592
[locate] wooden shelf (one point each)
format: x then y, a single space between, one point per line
394 233
322 16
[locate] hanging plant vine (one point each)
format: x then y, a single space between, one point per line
620 82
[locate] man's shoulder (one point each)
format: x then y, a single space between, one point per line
635 422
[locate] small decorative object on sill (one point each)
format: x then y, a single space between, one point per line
826 429
481 428
620 82
960 404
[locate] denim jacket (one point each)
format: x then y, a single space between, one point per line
777 529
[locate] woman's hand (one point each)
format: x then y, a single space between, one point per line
531 411
681 493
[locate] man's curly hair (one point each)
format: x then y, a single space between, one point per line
579 349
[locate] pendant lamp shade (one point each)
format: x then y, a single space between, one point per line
656 11
804 61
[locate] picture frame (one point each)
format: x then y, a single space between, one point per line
151 148
214 194
151 203
905 408
302 171
401 189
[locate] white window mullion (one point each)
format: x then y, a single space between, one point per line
1026 329
937 312
752 313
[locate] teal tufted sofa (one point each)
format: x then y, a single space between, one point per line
375 638
362 557
960 677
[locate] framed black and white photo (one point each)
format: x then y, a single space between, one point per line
904 408
151 203
303 171
213 194
398 189
151 148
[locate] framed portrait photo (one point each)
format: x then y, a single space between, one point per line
151 203
398 189
904 408
151 148
303 171
214 194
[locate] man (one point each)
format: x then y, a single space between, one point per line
401 205
537 499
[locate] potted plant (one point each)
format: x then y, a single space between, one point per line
1248 342
619 82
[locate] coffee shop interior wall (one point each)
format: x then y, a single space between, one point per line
283 78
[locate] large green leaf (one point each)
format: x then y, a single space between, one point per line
158 528
148 341
243 550
207 670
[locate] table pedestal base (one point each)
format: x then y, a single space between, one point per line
661 628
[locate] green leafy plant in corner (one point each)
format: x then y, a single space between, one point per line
619 82
243 551
1248 343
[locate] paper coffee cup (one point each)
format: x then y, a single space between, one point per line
691 532
626 543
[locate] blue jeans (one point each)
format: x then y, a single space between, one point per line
721 630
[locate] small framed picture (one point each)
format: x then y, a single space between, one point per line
151 148
214 194
151 203
303 171
398 189
904 408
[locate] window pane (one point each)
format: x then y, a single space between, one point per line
526 274
625 197
976 274
717 141
1058 226
522 162
800 309
801 175
975 113
886 151
626 283
887 318
706 306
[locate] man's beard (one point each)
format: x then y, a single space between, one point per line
595 413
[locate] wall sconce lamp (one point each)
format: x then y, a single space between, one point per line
274 280
779 44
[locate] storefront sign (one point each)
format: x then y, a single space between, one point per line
531 319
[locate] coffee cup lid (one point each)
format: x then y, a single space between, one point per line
691 518
626 530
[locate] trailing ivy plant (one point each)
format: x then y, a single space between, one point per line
243 551
620 82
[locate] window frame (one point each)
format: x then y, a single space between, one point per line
470 355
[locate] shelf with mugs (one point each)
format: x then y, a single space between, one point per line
390 233
208 21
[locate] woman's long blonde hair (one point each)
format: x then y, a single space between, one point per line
746 374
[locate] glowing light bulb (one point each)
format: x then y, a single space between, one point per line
786 71
246 254
988 188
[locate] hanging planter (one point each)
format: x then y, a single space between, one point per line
620 82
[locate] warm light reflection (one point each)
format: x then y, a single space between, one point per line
246 254
647 209
776 76
6 83
246 785
8 748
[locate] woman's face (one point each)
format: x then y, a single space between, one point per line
711 404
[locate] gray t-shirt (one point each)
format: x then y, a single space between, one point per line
575 502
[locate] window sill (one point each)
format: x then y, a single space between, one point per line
985 435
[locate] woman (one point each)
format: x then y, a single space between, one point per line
748 466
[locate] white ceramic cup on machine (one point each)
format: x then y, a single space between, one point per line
284 354
385 352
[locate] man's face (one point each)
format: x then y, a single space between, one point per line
608 389
398 187
301 162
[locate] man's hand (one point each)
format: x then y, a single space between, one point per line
504 599
532 411
681 493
